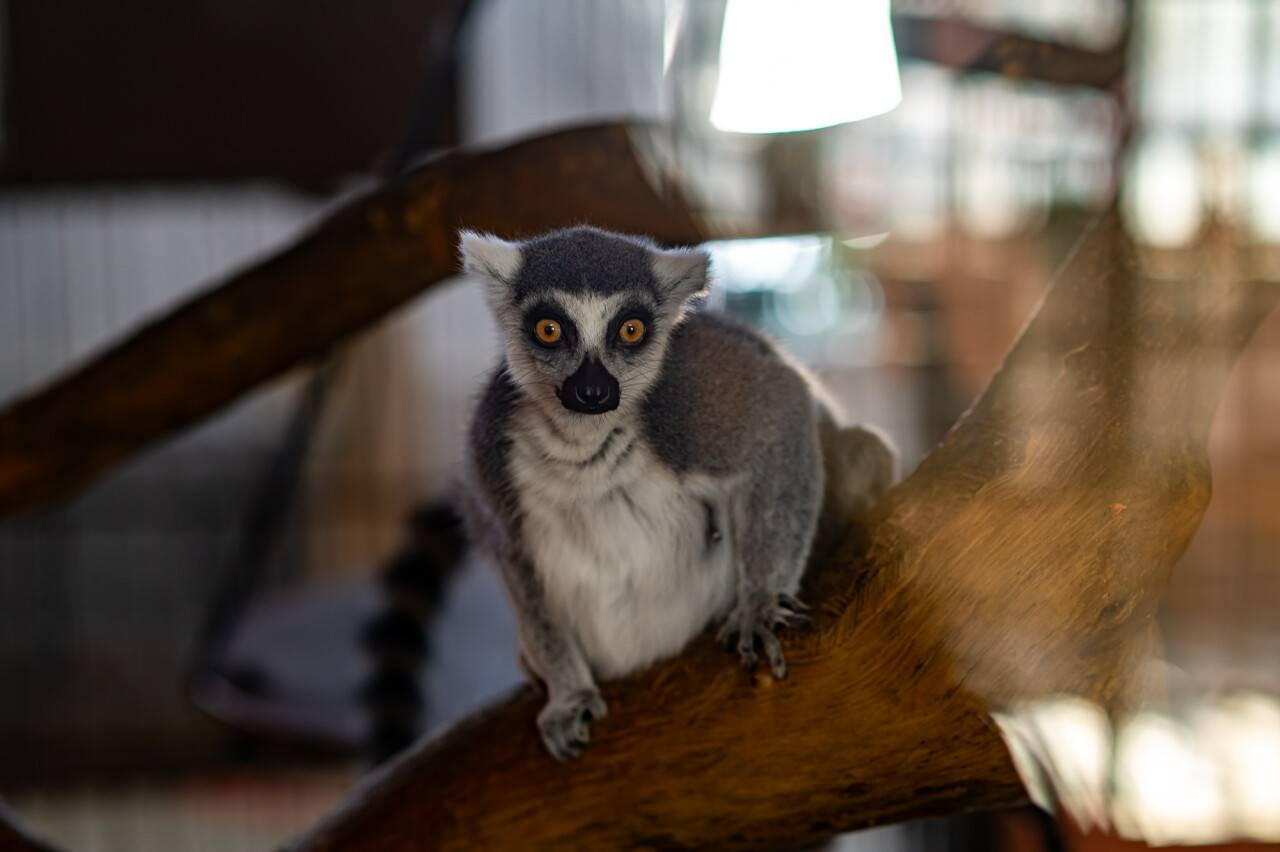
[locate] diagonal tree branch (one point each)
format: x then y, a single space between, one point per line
1024 557
360 263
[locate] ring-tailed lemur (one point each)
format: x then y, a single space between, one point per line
640 468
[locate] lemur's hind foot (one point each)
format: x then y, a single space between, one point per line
861 465
756 622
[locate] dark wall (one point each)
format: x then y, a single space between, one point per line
142 89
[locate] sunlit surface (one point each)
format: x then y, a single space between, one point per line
804 64
1206 775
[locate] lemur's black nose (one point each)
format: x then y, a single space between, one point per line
590 390
591 394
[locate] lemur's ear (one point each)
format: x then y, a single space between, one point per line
681 273
491 258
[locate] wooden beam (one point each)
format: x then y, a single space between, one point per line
1024 557
969 47
363 261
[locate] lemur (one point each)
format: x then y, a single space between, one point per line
641 467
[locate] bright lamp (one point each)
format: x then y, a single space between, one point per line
804 64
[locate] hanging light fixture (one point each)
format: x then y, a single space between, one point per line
804 64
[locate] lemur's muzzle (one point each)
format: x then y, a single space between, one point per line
591 390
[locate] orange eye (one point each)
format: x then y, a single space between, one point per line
548 331
631 331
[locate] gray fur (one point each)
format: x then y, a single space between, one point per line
622 535
585 259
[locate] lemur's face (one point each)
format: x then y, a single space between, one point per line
586 314
586 349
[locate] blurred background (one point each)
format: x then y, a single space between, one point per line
208 646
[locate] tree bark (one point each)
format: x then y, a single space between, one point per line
360 263
1024 557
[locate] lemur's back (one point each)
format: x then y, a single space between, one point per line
725 392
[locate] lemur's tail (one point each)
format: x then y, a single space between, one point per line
396 640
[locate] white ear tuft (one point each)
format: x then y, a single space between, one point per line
486 255
681 273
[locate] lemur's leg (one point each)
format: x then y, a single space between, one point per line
551 655
773 525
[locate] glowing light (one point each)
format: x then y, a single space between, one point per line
1164 205
1166 790
813 310
1213 779
1065 742
1243 734
804 64
1264 193
782 264
987 195
1028 759
868 241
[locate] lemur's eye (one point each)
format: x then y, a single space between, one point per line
548 331
631 331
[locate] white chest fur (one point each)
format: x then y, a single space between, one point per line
622 544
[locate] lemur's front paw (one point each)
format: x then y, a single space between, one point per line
754 621
564 723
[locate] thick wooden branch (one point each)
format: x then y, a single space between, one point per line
1024 557
969 47
360 263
